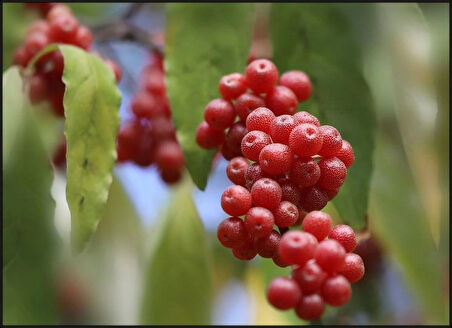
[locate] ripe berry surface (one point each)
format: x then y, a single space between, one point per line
298 82
305 172
297 247
336 290
246 251
259 222
246 103
253 173
318 224
232 85
281 100
219 113
260 119
253 143
236 200
354 267
313 198
305 140
305 117
310 307
283 293
330 256
266 193
275 159
332 173
261 75
286 214
208 138
309 277
232 233
332 140
346 154
281 127
345 235
236 170
267 246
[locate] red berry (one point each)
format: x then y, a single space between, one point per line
56 100
236 170
260 119
253 143
305 140
313 198
84 37
267 246
330 255
345 235
332 173
38 88
42 7
21 57
261 75
275 159
309 277
290 191
162 128
297 247
259 222
208 138
59 156
266 193
318 224
169 156
146 147
281 128
35 42
279 261
286 214
144 106
332 141
229 152
170 176
246 103
127 140
231 232
281 100
310 307
253 173
331 193
58 10
154 82
283 293
354 267
63 29
345 154
232 85
115 69
236 200
219 113
235 135
336 290
298 82
305 172
305 117
246 251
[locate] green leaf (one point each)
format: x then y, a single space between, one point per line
178 282
29 238
203 43
317 39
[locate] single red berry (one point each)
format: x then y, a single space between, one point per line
286 214
236 200
318 224
253 143
305 172
332 173
332 140
336 290
231 232
370 252
246 103
297 247
266 193
278 260
345 235
144 106
58 10
84 37
38 88
117 72
281 128
253 173
275 159
309 277
305 117
354 267
261 75
35 42
330 255
208 138
171 176
290 192
154 82
331 193
259 222
169 156
310 307
232 86
234 137
345 154
146 147
298 82
260 119
281 100
283 293
63 29
229 152
21 57
219 113
236 170
267 246
162 128
313 198
128 139
305 140
246 251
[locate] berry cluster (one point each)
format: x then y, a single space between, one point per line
150 137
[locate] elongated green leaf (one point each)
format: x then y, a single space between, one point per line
29 238
316 39
178 284
203 42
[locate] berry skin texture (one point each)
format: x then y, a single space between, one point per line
281 100
281 127
208 138
297 247
318 224
169 156
253 143
279 261
286 214
309 277
259 222
236 170
310 307
232 86
313 198
283 293
305 140
290 191
331 193
332 141
236 200
266 193
305 117
232 233
260 119
345 154
345 235
261 75
84 37
246 103
298 82
333 173
305 172
63 29
35 42
219 113
354 267
267 246
253 173
275 159
246 251
330 256
336 290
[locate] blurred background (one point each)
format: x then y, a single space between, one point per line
138 268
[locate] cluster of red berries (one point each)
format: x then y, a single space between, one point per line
57 26
150 136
